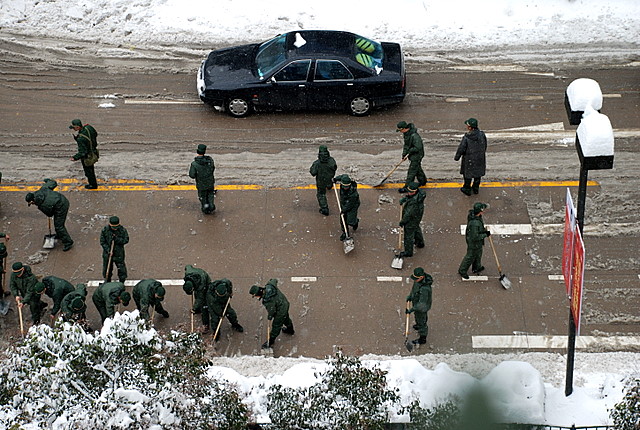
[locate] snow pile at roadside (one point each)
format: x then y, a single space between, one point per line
417 25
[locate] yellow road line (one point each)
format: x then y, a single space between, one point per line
136 185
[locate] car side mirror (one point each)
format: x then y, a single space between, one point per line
273 80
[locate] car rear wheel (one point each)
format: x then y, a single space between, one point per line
360 106
238 107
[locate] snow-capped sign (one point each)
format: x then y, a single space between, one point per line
595 134
584 92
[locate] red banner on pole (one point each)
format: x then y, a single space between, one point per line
568 244
577 279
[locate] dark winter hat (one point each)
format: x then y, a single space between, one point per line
29 197
472 122
125 298
77 304
418 272
221 288
323 148
188 287
39 288
160 292
479 207
413 186
17 266
345 180
202 148
114 221
255 290
402 125
76 123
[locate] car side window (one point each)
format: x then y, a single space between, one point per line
327 70
295 71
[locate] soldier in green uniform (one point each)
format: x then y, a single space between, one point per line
57 289
107 296
196 282
149 293
201 169
277 307
413 209
349 202
53 204
324 169
73 307
420 299
118 235
219 293
3 265
88 154
413 148
474 235
23 286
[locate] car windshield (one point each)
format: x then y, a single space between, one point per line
270 55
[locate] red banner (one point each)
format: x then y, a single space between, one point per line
577 279
568 243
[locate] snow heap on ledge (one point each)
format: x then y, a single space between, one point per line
595 134
584 92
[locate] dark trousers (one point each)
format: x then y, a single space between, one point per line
412 236
421 323
122 268
415 172
59 218
281 319
90 173
321 195
472 259
475 187
206 198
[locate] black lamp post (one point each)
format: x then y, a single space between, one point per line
594 142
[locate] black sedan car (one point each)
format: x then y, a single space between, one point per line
304 70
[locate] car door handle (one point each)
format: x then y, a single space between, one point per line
301 86
350 84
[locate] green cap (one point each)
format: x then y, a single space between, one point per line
160 291
472 122
114 220
75 123
29 197
38 288
77 304
125 298
17 266
413 186
202 148
254 290
188 287
418 272
479 207
345 180
402 125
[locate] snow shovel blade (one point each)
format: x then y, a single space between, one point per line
49 241
409 345
397 262
4 307
505 282
348 245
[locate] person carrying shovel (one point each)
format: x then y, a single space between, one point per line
413 210
23 286
413 149
420 303
219 296
277 307
3 268
149 293
323 169
55 288
196 281
349 203
53 204
113 238
474 235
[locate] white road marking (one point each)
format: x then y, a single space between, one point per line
456 99
556 277
389 278
161 102
507 229
554 126
589 229
304 279
556 342
532 98
612 96
491 68
132 282
476 278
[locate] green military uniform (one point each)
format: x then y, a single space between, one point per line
475 234
323 169
53 204
420 299
23 286
117 234
413 148
412 212
349 202
149 293
196 282
107 296
87 140
73 306
57 289
202 169
277 307
3 266
219 293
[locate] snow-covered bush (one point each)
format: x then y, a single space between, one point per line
347 396
626 414
126 376
442 416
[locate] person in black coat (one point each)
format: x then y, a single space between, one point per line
472 149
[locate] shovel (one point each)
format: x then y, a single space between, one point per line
191 312
21 319
268 352
49 239
224 312
110 264
407 343
347 243
397 260
390 173
504 281
4 305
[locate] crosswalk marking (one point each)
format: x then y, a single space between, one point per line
525 341
508 229
304 279
389 278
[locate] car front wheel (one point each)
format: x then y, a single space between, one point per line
238 107
360 106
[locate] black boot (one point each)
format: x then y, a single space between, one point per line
237 327
164 313
288 330
420 341
268 344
